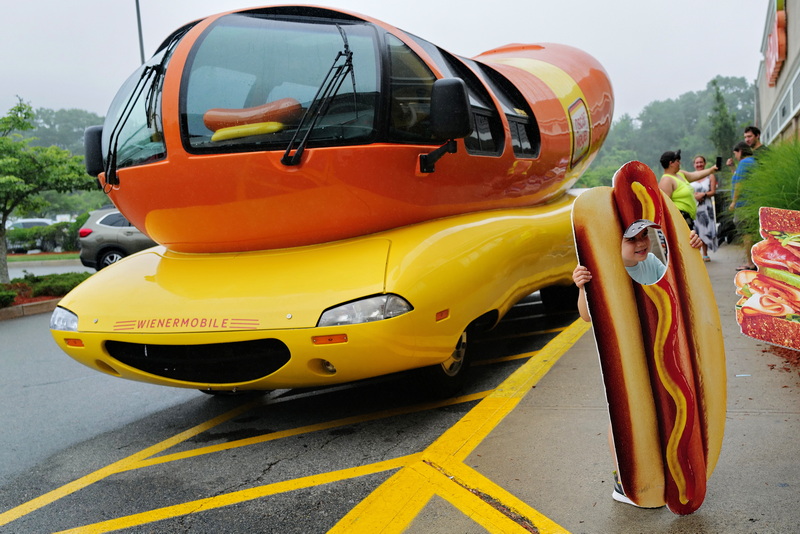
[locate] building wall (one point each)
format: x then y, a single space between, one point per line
778 106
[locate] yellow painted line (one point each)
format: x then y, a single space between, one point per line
478 484
410 493
236 497
374 514
263 438
146 457
481 511
523 334
120 465
407 492
505 359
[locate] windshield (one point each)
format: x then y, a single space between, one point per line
250 80
132 133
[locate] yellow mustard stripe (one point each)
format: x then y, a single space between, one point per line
664 307
373 514
648 208
228 499
562 84
120 465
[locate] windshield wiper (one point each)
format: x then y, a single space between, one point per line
151 78
328 89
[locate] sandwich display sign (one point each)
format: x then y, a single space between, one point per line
769 307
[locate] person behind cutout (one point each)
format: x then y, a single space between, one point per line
643 267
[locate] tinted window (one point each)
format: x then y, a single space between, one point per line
525 137
245 66
114 219
410 84
488 137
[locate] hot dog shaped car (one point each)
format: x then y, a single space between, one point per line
336 199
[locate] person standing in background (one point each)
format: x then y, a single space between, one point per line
752 136
744 155
705 221
675 183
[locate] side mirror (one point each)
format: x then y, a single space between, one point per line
451 118
93 150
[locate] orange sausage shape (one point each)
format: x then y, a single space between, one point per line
284 110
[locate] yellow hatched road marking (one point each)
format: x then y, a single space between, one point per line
396 502
121 465
145 457
376 513
235 497
281 434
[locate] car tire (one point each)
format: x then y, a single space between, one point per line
108 257
449 377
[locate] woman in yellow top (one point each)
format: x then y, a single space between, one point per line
675 183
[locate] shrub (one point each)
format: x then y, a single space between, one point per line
48 285
21 239
56 285
71 240
22 289
774 182
7 298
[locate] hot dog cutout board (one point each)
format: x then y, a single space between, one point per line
769 307
660 346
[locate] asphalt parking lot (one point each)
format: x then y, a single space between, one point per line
530 455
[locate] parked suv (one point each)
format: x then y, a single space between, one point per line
107 237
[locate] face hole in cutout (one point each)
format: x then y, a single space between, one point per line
641 267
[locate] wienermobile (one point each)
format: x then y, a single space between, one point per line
335 199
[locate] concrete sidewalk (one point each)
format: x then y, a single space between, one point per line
552 452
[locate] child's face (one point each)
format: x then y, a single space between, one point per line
635 249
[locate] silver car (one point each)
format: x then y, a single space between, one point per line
107 237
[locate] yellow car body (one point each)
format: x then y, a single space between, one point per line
249 320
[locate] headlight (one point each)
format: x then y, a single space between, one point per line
365 310
64 320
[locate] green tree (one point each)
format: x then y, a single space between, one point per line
27 171
63 128
683 123
723 123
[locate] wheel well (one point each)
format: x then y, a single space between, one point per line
485 322
105 250
560 298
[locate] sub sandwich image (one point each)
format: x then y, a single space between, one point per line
769 307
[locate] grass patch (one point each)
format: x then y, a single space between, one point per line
44 256
774 182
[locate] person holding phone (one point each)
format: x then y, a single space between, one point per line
676 184
705 220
